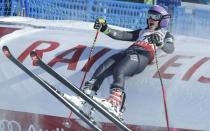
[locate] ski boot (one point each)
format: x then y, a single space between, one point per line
79 102
114 104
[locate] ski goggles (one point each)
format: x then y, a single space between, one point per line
154 16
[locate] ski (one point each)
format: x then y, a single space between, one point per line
56 93
36 60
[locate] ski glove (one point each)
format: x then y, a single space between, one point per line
101 25
156 39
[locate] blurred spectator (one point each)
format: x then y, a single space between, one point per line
7 9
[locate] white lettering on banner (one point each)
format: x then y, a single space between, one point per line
31 128
6 125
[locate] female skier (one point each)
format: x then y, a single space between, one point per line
132 60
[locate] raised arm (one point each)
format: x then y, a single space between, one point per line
123 35
101 25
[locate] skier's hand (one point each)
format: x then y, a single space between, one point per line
156 39
101 25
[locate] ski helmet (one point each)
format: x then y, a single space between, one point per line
165 17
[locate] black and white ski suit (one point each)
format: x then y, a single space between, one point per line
132 60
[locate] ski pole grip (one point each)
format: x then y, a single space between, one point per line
6 51
34 58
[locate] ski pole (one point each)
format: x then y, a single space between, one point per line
90 54
89 57
163 90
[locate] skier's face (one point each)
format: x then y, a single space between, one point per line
153 24
153 19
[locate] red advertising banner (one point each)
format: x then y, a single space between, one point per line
22 121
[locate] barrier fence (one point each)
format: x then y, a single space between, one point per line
2 7
123 14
